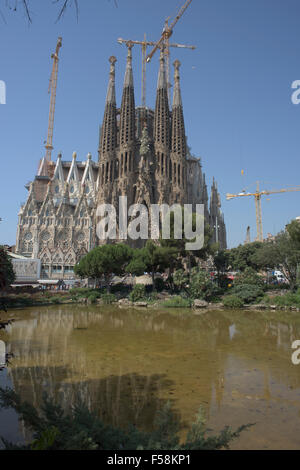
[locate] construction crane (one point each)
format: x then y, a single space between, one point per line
44 163
163 42
144 45
257 197
52 91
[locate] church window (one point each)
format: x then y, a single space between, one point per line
27 247
45 236
69 269
56 269
28 236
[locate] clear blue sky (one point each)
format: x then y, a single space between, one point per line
236 89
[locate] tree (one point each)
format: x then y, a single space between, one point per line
14 4
106 260
180 279
249 276
192 256
64 4
282 253
242 256
221 260
152 258
7 275
201 285
293 230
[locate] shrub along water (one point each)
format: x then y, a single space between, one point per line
177 301
233 301
138 293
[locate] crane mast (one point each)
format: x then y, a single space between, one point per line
163 42
257 198
144 44
52 91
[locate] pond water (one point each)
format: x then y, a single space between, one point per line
126 363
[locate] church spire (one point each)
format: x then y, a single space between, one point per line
127 117
178 142
178 138
108 139
162 113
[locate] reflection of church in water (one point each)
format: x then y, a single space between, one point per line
126 369
49 356
142 154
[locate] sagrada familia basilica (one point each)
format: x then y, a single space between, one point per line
142 154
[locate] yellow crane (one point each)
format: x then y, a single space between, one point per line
163 43
144 45
44 164
52 91
257 197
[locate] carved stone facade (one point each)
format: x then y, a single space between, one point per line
56 222
143 154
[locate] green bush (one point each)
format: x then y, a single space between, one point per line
177 301
287 300
84 292
232 301
281 286
108 298
249 277
201 285
138 293
248 293
92 297
180 279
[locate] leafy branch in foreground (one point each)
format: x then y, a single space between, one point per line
53 429
64 4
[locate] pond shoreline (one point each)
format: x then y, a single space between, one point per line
19 302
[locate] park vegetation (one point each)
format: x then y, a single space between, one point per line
188 277
180 277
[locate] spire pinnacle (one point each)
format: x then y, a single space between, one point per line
127 113
161 82
108 137
177 94
128 81
111 92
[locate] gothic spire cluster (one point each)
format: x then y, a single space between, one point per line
142 154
